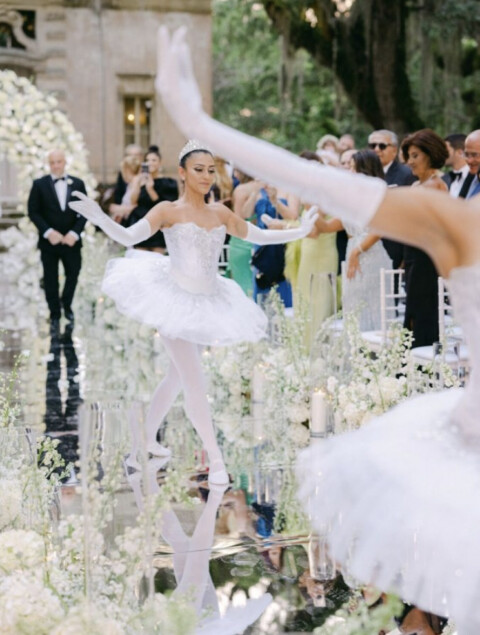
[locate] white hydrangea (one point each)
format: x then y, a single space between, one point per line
27 606
87 619
10 502
20 549
392 389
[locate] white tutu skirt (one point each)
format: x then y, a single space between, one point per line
400 502
144 289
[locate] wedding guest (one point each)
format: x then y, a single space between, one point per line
346 158
455 178
240 252
239 177
148 188
385 144
346 142
309 263
472 156
342 236
328 143
132 150
129 168
425 152
222 189
365 255
269 260
328 157
59 229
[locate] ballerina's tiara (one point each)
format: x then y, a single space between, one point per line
193 146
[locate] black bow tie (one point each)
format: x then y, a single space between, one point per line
60 178
455 175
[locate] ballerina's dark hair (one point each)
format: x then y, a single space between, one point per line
184 159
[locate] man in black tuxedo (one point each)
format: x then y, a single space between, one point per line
385 144
59 228
460 173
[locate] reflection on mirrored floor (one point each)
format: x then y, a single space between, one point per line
243 553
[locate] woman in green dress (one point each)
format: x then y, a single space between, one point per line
240 251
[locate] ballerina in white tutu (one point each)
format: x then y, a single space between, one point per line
399 497
183 295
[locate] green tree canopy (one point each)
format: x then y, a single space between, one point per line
263 87
346 65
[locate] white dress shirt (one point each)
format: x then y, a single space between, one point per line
61 189
387 167
456 185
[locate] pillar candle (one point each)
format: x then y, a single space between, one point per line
319 413
258 417
258 383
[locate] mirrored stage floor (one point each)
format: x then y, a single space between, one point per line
237 543
227 547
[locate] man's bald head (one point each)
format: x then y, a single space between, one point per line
56 161
472 151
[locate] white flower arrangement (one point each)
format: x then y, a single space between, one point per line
11 502
361 385
27 605
20 549
87 619
31 124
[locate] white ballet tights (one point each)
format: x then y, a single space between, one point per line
162 400
185 373
191 555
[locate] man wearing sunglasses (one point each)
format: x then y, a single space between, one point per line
385 144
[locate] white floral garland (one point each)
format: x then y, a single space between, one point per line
30 125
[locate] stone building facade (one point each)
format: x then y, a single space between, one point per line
99 59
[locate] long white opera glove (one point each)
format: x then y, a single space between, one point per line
278 236
351 197
126 236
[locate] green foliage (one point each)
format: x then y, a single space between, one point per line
277 95
285 96
444 64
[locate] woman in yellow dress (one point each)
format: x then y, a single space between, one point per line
311 268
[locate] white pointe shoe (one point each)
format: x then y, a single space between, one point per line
156 449
153 450
156 462
131 461
217 474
